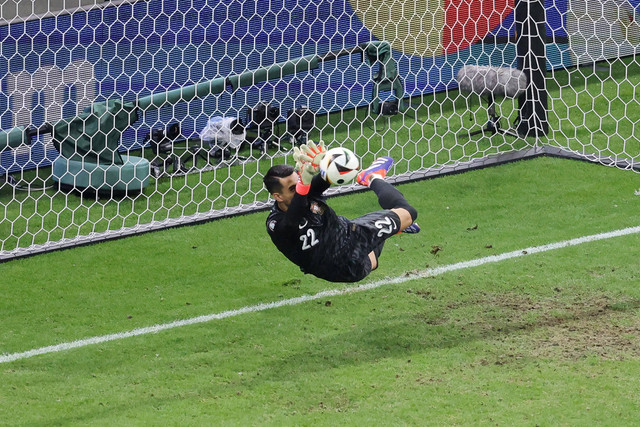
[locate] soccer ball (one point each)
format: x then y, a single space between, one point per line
339 166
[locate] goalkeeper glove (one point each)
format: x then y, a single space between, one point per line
307 159
307 172
315 152
310 152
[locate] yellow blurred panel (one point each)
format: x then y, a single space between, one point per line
411 26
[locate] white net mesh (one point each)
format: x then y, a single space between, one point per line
107 108
593 109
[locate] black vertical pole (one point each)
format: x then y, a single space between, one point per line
532 60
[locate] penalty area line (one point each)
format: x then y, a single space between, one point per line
430 272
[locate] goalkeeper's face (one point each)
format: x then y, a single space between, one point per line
286 193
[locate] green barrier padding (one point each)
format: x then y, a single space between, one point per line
130 176
275 71
94 135
185 94
13 138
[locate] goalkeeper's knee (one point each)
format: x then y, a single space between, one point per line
412 211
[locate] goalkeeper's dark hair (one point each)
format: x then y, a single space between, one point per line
272 179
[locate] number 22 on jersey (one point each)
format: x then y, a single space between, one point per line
309 239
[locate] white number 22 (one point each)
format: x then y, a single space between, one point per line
309 240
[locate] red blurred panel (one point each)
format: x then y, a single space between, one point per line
467 21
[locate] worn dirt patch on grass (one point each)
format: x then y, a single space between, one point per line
564 325
581 326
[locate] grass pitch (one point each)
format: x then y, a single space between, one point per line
547 339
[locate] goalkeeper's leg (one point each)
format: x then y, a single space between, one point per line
388 196
391 198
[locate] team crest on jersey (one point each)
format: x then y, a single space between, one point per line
272 225
316 208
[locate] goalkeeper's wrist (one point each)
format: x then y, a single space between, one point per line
302 188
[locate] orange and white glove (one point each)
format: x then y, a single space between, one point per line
314 152
307 159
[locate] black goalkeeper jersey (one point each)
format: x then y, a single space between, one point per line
312 236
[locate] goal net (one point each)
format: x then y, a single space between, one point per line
126 116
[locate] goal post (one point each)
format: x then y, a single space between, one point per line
530 21
380 78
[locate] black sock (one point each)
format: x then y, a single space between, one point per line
390 197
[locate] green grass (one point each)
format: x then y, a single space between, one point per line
544 339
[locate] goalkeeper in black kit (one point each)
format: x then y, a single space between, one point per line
312 236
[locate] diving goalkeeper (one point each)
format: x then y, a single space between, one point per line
312 236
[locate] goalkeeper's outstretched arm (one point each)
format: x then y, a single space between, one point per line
318 186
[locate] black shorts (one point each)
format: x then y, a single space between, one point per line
379 225
369 232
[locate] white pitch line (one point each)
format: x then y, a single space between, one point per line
431 272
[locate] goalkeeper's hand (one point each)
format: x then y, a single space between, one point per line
314 152
307 159
310 152
307 172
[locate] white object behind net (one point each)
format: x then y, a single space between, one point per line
380 77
